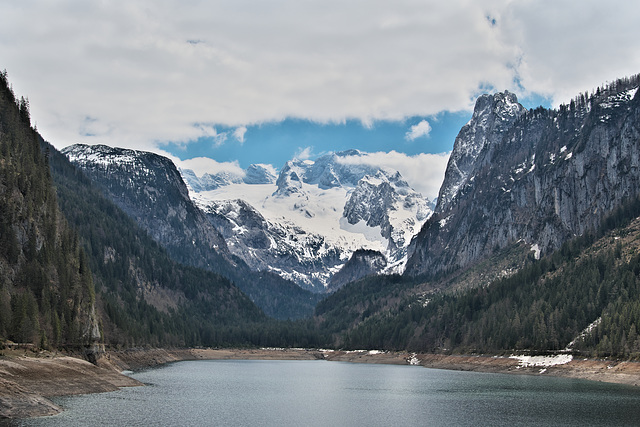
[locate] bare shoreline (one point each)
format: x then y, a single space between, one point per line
27 381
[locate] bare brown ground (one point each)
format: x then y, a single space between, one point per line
27 381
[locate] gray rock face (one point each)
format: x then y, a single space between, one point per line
361 264
493 115
383 201
542 178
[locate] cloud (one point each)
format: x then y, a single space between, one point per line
205 130
421 129
424 172
239 133
304 153
203 165
565 48
146 71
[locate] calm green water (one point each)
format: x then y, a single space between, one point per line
318 393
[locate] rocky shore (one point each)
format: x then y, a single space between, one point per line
27 380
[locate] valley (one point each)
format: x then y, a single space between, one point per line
530 248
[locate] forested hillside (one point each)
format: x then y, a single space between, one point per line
145 297
46 287
583 298
85 273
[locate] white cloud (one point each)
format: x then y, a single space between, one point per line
571 46
202 165
304 153
239 133
421 129
145 72
424 172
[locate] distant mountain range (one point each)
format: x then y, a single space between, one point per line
303 225
149 188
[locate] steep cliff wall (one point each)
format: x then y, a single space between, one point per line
541 176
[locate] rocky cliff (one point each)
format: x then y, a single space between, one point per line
540 176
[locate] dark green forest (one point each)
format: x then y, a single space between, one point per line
46 287
541 308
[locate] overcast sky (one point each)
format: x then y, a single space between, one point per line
169 75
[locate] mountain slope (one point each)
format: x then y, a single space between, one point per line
583 299
149 189
549 176
144 297
567 179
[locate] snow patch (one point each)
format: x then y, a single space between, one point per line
443 222
536 251
585 332
542 361
413 360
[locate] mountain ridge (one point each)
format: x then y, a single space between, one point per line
551 175
149 188
318 214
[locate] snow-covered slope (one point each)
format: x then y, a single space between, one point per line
315 215
254 174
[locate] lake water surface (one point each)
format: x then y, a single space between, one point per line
319 393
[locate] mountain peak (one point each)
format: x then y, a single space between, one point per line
500 103
492 116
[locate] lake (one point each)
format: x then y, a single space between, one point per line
321 393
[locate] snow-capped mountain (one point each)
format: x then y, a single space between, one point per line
303 257
388 202
306 225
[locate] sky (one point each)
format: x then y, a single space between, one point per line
227 83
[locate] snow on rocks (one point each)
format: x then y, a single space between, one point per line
542 361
